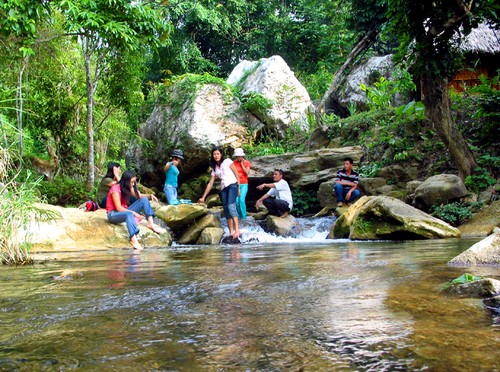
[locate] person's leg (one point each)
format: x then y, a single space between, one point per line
170 193
231 206
128 218
339 193
270 204
354 195
282 208
240 201
143 204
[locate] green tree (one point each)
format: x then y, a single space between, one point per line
429 33
213 36
104 29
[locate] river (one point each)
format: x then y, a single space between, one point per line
304 304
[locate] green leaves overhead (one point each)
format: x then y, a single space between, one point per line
122 23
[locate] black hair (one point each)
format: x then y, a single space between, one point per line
349 159
125 186
213 163
110 173
280 171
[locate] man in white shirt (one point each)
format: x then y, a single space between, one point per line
278 200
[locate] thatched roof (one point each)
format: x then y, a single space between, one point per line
482 39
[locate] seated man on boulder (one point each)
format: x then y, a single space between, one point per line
278 200
346 184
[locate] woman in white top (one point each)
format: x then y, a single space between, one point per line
230 188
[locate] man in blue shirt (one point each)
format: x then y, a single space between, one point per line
346 184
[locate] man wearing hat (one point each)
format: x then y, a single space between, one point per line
171 174
243 167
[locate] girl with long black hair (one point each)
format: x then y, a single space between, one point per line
119 211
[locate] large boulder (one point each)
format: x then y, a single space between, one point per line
273 79
483 223
484 253
350 91
179 216
386 218
195 120
442 188
77 230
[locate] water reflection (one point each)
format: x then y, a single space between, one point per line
337 306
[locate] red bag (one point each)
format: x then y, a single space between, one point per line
91 206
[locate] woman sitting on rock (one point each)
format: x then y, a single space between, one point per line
118 210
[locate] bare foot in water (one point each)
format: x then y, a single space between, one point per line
135 243
236 234
154 228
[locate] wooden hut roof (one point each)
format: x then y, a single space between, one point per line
482 39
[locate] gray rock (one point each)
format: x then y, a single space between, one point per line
193 232
383 217
280 226
210 236
211 116
484 252
273 79
483 222
439 189
179 216
477 289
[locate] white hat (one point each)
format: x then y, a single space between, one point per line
239 152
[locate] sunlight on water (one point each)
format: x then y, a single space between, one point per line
338 305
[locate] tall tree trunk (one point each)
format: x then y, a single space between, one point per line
437 104
90 130
20 104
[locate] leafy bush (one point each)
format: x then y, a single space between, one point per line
64 191
368 170
455 213
304 202
483 176
18 208
256 103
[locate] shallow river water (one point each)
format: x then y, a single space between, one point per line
311 306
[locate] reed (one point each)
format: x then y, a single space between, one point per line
18 209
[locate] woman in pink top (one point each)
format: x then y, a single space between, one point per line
119 211
243 167
230 188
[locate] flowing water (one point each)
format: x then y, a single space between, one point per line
269 304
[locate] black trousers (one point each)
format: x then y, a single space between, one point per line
276 207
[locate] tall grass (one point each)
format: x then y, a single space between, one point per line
18 209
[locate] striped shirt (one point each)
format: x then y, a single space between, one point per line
343 176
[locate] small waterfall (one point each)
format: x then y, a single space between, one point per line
306 230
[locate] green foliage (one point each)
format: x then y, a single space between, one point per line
455 213
304 202
317 83
256 103
369 170
64 191
477 111
381 94
18 208
482 177
294 141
